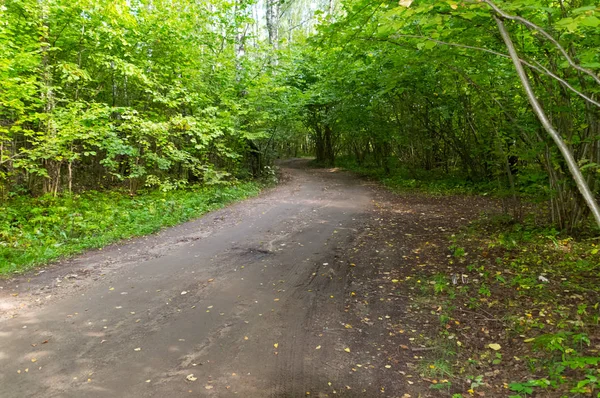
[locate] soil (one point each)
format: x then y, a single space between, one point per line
297 292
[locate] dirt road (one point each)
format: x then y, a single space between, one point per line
247 301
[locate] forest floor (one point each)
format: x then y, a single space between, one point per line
326 285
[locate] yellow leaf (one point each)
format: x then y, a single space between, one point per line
318 347
494 346
395 281
405 3
276 345
347 349
245 337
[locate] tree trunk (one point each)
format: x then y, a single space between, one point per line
556 137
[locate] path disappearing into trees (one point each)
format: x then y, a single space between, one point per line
247 301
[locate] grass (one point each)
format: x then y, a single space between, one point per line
401 179
36 231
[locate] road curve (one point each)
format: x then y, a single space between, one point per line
244 302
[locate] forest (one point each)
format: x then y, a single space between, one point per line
121 117
133 95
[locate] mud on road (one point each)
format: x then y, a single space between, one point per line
289 294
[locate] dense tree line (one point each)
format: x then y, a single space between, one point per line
97 94
431 85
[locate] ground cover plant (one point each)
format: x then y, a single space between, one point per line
35 231
500 307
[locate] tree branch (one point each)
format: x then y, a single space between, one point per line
538 67
548 37
580 181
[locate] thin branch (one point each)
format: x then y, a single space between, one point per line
549 37
567 154
538 67
547 72
10 158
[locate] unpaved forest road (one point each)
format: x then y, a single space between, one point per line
249 299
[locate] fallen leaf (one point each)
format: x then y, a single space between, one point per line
183 293
347 349
208 387
318 347
276 345
137 349
191 377
494 346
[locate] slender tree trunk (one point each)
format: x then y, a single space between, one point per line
272 20
52 166
556 137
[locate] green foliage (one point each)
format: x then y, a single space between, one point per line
109 94
34 231
423 95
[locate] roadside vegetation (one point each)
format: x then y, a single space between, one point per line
513 301
35 231
516 303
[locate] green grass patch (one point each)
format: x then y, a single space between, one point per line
401 179
36 231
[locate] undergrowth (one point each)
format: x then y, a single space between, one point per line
35 231
523 306
401 179
518 301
